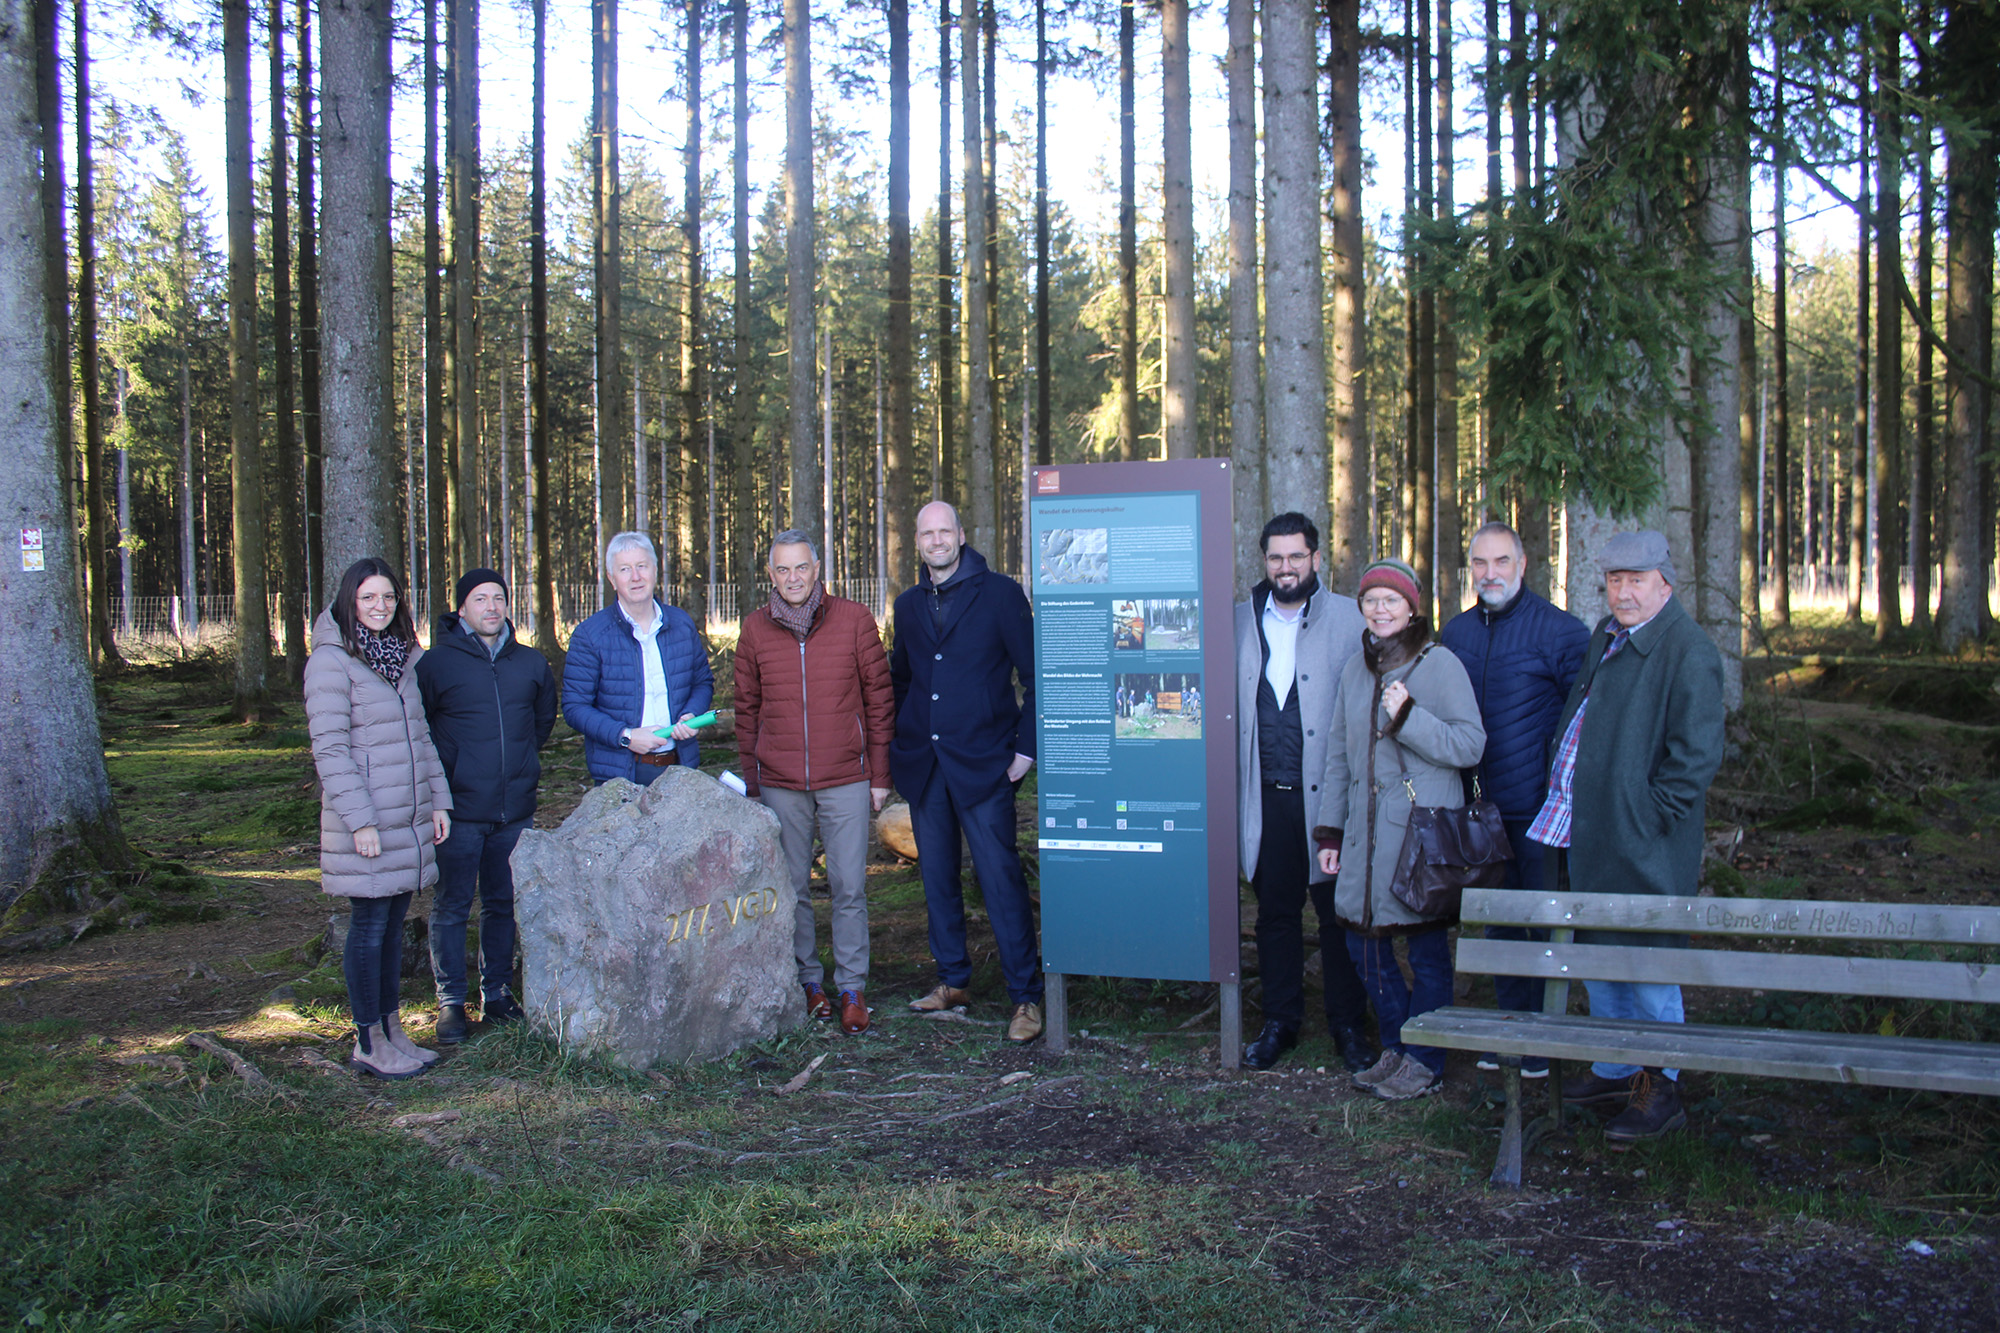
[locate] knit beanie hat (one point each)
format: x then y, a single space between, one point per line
1397 577
472 578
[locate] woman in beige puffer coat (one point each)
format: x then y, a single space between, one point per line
383 797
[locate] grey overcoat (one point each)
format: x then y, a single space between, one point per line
1441 733
377 768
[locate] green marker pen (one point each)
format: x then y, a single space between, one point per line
697 722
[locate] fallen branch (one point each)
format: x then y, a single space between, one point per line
318 1063
417 1119
800 1079
173 1064
238 1066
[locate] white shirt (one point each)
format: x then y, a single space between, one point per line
659 710
1281 631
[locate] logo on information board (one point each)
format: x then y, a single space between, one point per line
1048 482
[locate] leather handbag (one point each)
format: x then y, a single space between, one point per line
1447 850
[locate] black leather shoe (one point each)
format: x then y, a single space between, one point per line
452 1027
499 1010
1270 1045
1356 1051
1590 1089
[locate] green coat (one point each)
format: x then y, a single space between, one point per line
1650 745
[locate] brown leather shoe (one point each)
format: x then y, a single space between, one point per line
818 1005
1026 1024
853 1012
1655 1110
1590 1088
942 997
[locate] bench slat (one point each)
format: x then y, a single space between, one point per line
1768 918
1734 969
1872 1061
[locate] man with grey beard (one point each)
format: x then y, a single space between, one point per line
1523 655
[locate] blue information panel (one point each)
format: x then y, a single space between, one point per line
1136 818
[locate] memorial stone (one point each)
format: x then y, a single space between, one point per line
656 923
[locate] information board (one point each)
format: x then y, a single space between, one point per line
1136 747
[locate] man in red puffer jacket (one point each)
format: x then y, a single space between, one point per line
814 714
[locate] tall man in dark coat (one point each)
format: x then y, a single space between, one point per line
1292 638
964 635
1522 655
491 702
1641 739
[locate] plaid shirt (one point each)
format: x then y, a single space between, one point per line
1551 826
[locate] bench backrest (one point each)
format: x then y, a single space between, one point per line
1563 960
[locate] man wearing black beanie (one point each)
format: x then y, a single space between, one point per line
491 703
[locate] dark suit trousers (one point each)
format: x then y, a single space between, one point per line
1283 882
944 826
1525 871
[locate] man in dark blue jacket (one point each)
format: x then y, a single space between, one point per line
964 634
491 702
634 669
1522 654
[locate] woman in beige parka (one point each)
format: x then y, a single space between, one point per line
383 797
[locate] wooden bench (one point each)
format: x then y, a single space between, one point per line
1871 1060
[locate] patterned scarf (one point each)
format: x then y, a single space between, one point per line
798 619
385 653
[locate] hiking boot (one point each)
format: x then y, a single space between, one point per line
452 1024
853 1012
392 1025
1026 1025
501 1010
1592 1089
1356 1051
1270 1046
942 997
1655 1110
374 1055
818 1003
1380 1072
1413 1078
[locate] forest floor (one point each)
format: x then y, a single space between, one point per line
927 1174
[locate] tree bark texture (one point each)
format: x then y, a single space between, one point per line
981 529
1246 383
437 490
1347 546
462 125
546 637
1888 472
1294 320
799 262
615 482
944 476
1177 399
1128 238
309 382
899 457
356 331
1450 546
1044 375
697 482
56 814
103 534
1923 464
1781 373
1716 462
743 431
55 249
253 609
291 466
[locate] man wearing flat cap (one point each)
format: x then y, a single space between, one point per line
491 702
1638 743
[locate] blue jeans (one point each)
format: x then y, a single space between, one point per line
939 821
475 857
1523 994
1395 999
1650 1000
373 957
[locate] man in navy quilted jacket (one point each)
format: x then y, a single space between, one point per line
1522 654
636 668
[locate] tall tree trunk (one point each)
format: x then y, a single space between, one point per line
1295 321
57 820
357 326
1781 375
944 477
462 127
1857 472
1968 54
253 609
437 576
899 458
1246 382
1044 373
1888 333
989 32
1716 471
799 266
55 285
1177 398
978 352
1347 546
1532 518
541 510
309 390
1450 541
1922 466
614 467
102 533
291 468
697 482
1424 439
1128 238
1414 143
743 432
